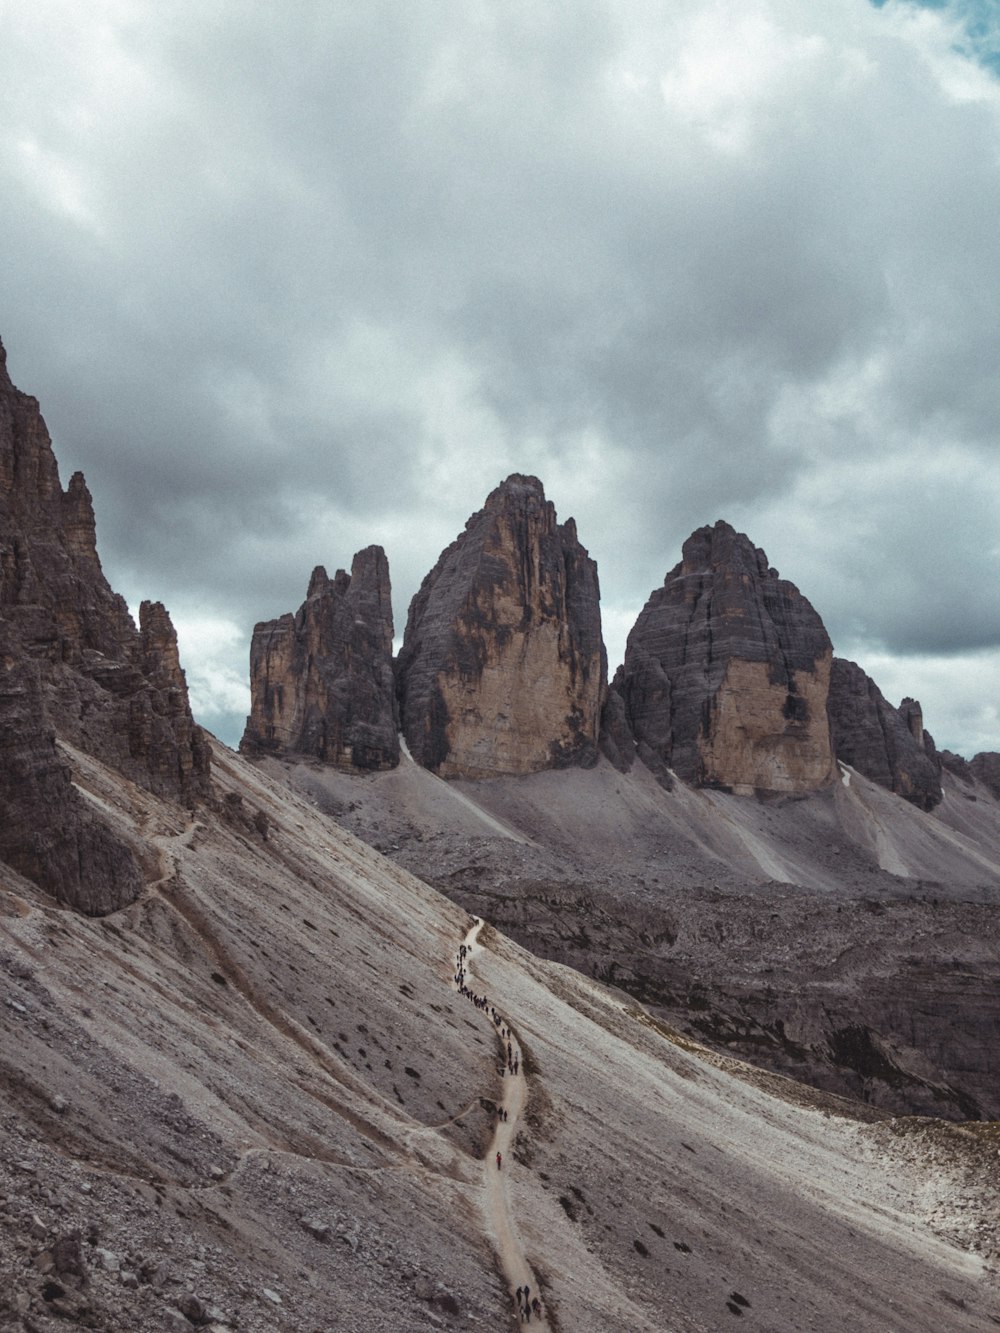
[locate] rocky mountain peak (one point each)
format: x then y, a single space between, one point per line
321 681
79 523
720 547
502 668
517 484
78 671
726 673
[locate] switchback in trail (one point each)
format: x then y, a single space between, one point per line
501 1223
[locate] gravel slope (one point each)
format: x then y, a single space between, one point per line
254 1100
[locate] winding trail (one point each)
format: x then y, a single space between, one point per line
501 1223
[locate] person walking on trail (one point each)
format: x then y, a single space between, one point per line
536 1308
499 1161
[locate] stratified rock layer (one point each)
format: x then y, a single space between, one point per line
321 681
75 668
886 744
726 673
503 667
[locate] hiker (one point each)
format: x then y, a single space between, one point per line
518 1294
499 1161
536 1308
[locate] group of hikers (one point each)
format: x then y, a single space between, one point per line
527 1305
513 1063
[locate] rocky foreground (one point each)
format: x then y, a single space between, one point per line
253 1099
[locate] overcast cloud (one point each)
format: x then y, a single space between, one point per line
292 279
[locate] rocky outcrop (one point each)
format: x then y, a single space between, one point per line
503 668
726 673
321 681
47 832
985 766
616 741
76 668
886 744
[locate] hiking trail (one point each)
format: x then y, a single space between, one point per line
501 1223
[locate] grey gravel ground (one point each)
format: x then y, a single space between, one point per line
770 929
253 1101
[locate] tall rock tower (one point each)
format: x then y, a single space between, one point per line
73 667
503 667
726 673
321 681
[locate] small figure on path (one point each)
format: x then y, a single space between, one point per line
519 1293
499 1161
536 1308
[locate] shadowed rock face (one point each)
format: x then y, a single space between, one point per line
321 681
986 767
503 667
47 832
726 673
886 744
75 667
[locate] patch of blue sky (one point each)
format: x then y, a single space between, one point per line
980 20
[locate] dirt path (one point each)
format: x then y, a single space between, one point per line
500 1220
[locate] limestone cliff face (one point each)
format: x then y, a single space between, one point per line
321 681
75 667
502 669
886 744
726 673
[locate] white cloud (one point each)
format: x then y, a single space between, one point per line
289 281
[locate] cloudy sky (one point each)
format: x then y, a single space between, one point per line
292 279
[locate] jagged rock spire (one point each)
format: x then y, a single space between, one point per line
76 668
321 681
503 668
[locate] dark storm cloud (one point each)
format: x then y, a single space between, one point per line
291 281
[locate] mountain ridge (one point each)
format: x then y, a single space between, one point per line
240 1087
